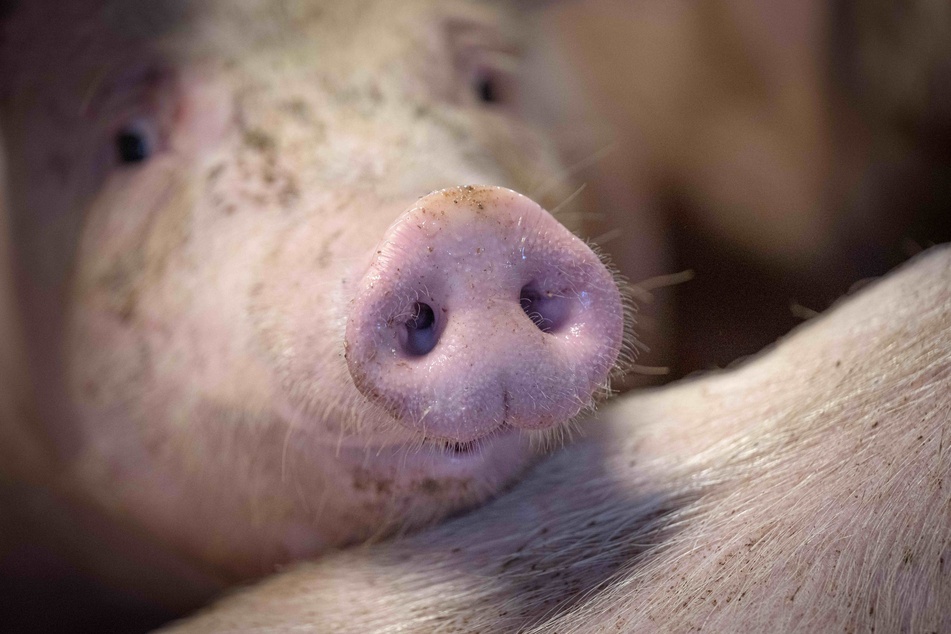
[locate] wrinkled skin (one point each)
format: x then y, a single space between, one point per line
199 200
808 491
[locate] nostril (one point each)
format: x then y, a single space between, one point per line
421 335
547 309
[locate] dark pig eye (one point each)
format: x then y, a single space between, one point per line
486 89
133 145
485 61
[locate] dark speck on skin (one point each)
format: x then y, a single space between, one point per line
364 481
215 172
259 140
298 108
323 258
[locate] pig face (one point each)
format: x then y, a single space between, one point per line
253 340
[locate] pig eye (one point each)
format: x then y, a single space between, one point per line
485 62
134 144
493 84
486 88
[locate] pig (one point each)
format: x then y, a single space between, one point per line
593 538
278 291
806 491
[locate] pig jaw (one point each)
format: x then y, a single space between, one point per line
481 313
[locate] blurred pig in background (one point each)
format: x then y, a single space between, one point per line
777 152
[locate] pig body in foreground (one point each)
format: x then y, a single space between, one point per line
808 491
252 335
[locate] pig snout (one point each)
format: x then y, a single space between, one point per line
479 311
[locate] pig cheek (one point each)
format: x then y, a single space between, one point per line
132 230
137 351
147 383
298 307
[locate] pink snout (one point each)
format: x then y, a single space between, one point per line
478 311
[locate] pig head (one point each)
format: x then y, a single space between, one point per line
252 332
